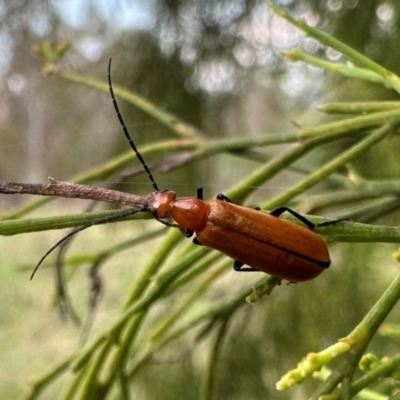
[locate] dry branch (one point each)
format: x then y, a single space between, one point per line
72 190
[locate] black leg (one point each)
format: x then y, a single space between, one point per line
224 198
237 266
169 224
196 241
199 193
280 210
186 232
335 221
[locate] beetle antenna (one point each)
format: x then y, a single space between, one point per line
127 135
82 228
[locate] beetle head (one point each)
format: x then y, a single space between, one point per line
160 203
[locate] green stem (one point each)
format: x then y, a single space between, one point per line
121 356
320 174
360 337
351 125
177 126
207 385
359 107
143 303
73 387
39 385
16 227
346 70
383 370
207 315
176 315
390 79
132 326
90 383
365 330
248 185
163 251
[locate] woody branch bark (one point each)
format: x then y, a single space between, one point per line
72 190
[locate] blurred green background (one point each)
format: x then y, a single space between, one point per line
216 65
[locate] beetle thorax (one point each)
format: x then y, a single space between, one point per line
190 213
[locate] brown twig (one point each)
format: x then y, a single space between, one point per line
72 190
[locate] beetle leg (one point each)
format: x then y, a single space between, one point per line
199 193
196 241
237 266
222 197
186 232
335 221
280 210
166 223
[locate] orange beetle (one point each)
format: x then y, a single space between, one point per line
261 241
255 240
